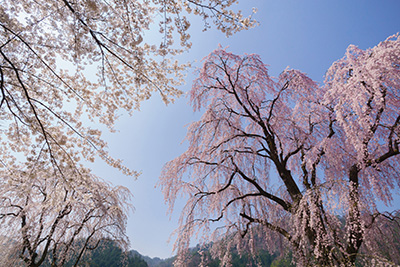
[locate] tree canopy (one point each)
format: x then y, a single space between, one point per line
66 63
298 163
65 67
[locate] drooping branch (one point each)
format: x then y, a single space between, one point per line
270 226
286 206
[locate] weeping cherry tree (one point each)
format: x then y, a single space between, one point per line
286 162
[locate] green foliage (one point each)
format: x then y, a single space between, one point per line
285 261
107 254
262 258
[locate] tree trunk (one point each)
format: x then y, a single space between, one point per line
355 232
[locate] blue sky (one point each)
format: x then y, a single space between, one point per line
308 35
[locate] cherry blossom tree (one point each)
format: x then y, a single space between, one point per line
52 51
286 162
45 218
65 67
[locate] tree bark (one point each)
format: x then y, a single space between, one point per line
355 232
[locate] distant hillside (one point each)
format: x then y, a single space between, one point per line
107 254
154 262
263 258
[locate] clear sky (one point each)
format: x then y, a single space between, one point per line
308 35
